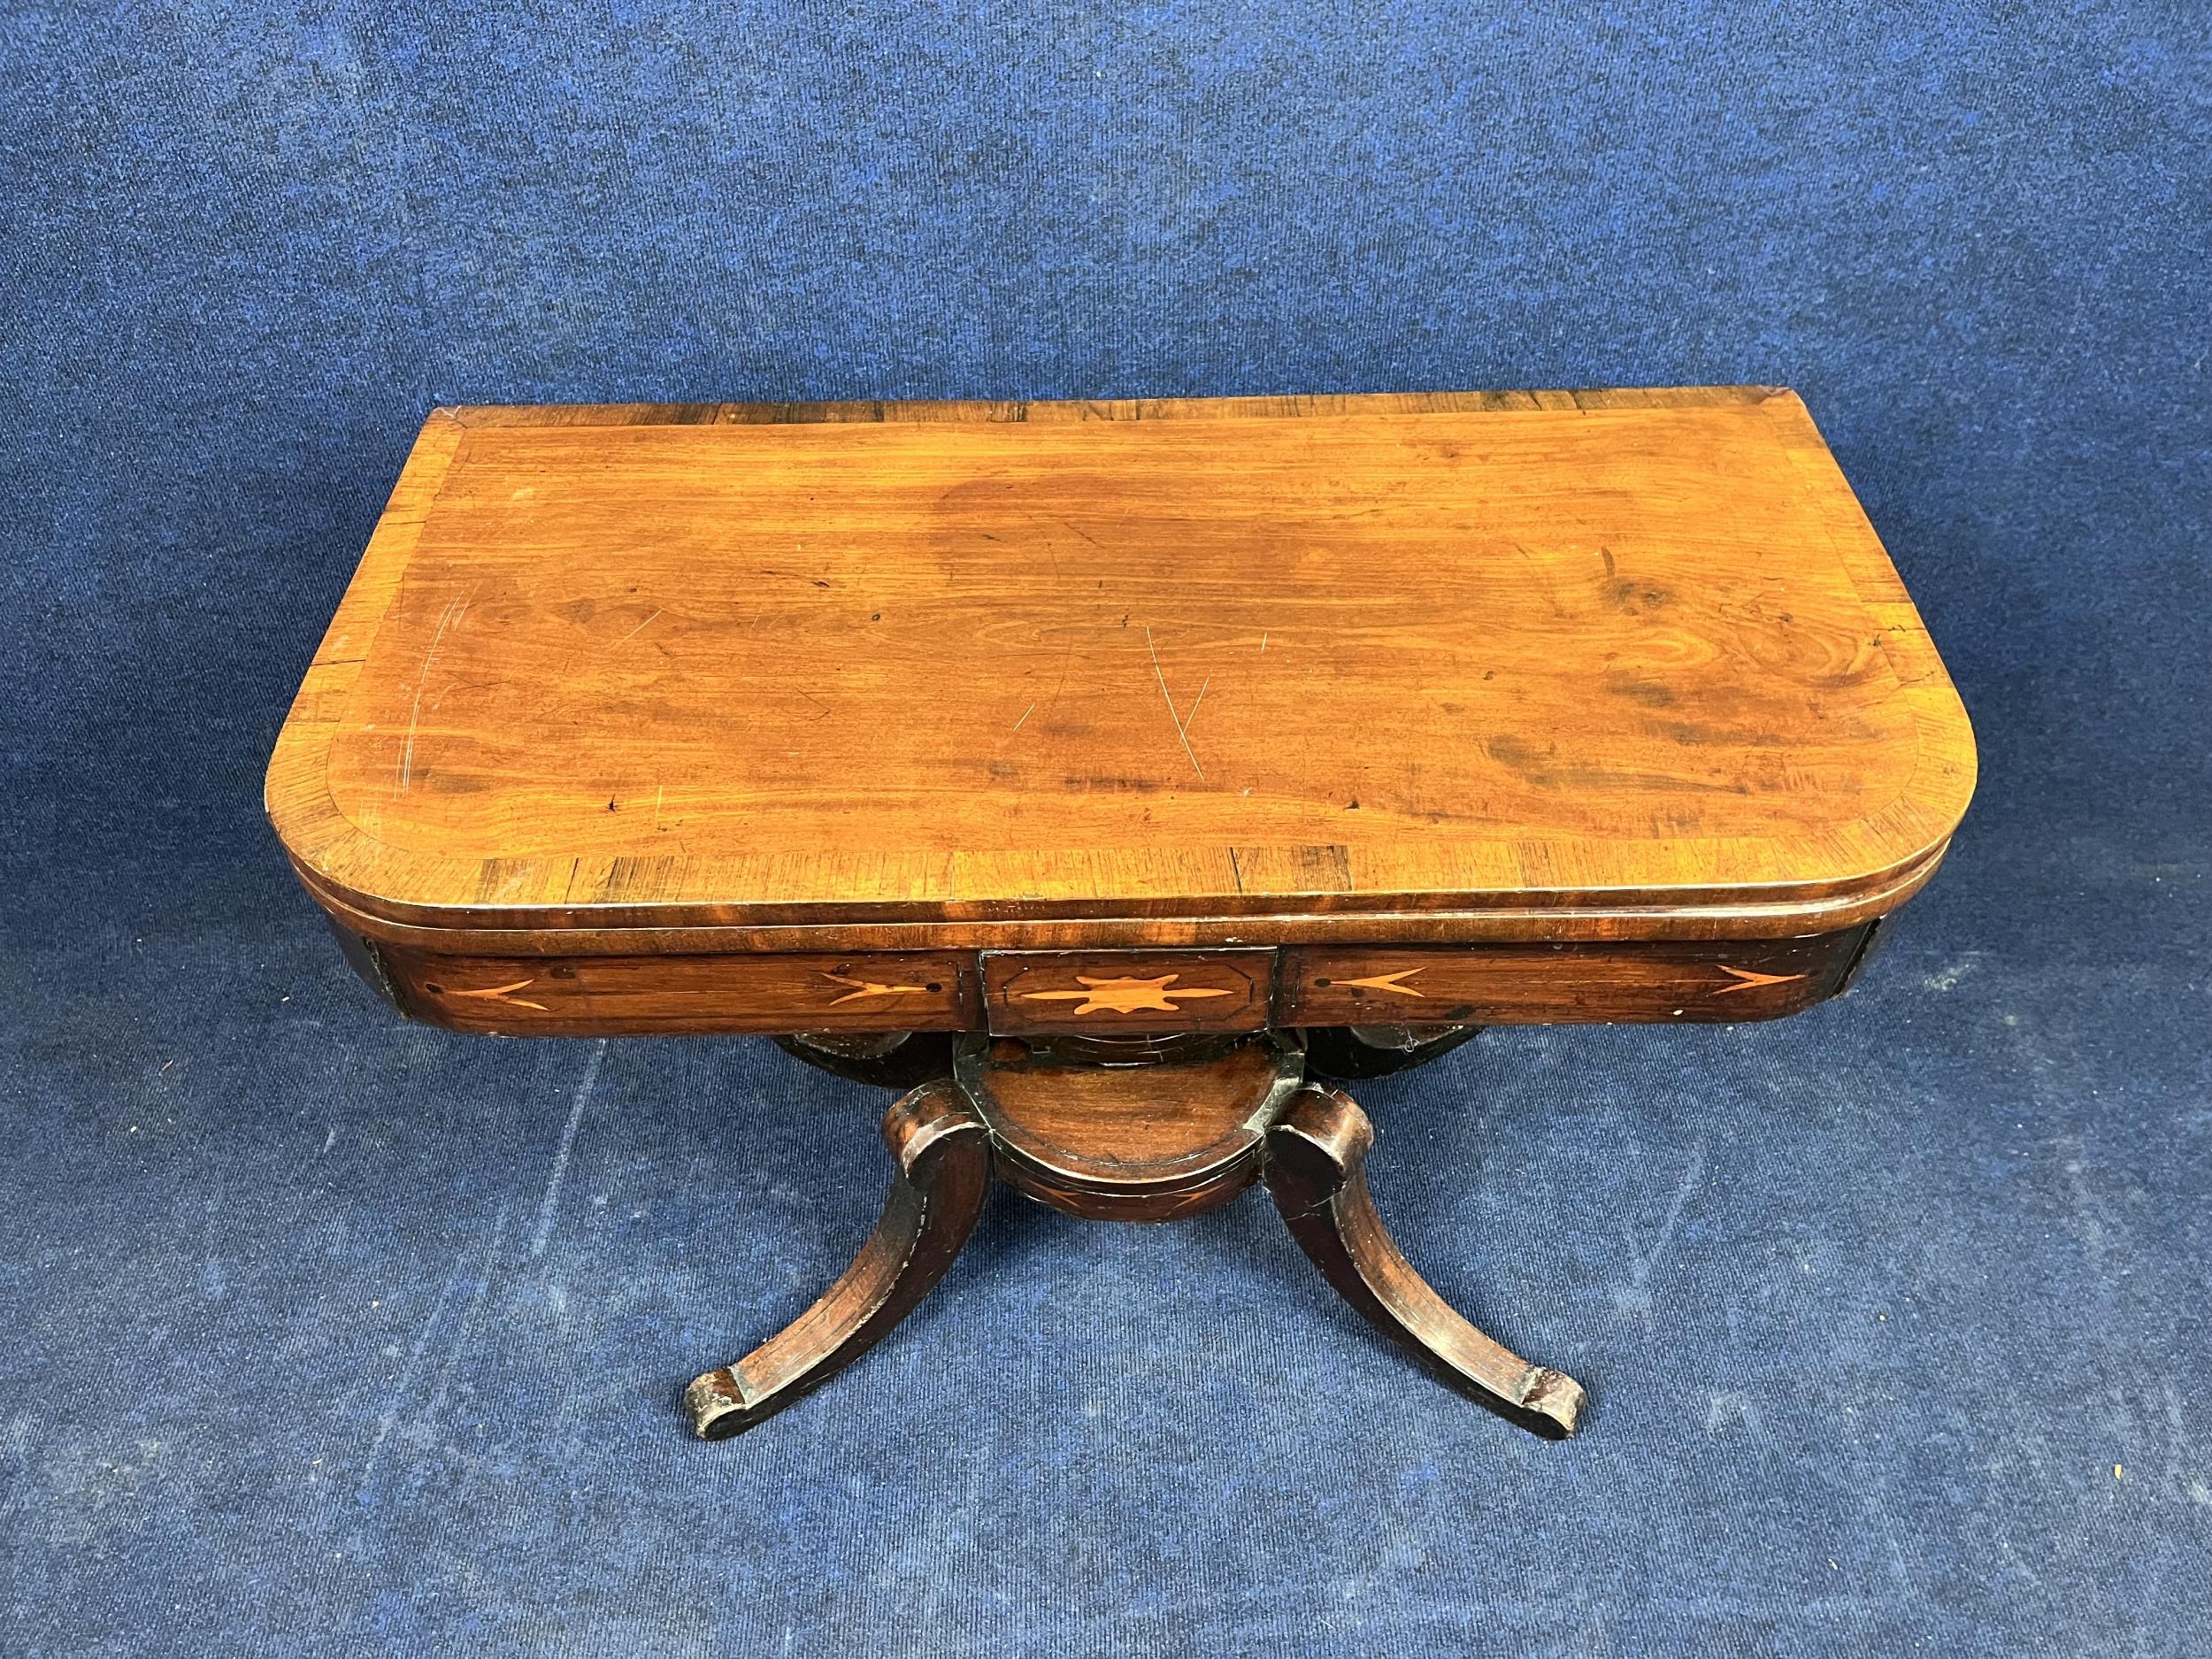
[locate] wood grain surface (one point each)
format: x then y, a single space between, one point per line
668 994
1523 985
1128 1143
1154 666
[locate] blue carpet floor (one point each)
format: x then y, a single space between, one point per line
317 1331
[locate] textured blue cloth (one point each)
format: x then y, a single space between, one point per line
317 1330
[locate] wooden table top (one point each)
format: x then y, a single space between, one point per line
1589 666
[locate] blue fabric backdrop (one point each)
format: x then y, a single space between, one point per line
319 1329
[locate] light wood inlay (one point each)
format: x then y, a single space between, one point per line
1136 992
1748 980
503 994
1394 984
1123 995
866 988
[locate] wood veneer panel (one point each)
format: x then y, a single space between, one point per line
644 994
1520 985
1128 992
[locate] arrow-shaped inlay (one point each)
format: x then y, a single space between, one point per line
500 994
868 988
1388 982
1122 996
1747 981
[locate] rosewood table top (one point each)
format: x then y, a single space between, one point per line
1551 665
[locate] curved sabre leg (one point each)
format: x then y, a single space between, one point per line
944 1171
1315 1172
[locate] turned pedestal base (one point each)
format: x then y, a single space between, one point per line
1153 1131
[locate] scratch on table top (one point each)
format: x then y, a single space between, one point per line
449 618
1544 574
634 631
1031 710
1171 714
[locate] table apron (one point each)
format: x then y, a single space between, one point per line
1133 993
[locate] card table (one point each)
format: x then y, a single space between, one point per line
1117 780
